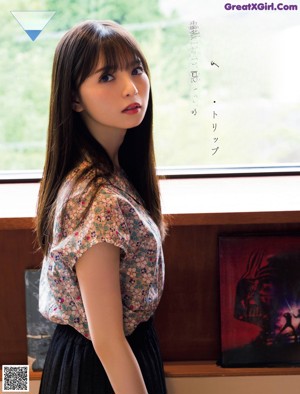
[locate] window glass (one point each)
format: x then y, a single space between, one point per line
225 78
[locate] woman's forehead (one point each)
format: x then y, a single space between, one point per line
123 60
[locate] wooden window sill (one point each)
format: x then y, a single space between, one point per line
210 369
201 369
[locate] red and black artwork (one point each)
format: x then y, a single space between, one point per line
260 300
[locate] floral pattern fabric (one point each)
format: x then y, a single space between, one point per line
116 216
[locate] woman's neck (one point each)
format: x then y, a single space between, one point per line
111 140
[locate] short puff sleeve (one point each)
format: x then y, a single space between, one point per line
102 221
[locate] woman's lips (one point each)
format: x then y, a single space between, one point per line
132 108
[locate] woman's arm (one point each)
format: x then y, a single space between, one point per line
99 280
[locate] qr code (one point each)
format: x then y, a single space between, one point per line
15 378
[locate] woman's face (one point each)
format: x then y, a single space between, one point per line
113 101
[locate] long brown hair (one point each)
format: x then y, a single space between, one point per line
69 141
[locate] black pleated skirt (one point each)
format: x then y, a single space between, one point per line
73 367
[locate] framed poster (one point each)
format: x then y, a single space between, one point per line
260 300
39 329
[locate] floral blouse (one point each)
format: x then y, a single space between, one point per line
116 216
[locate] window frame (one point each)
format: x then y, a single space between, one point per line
35 176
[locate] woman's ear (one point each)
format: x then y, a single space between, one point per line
76 104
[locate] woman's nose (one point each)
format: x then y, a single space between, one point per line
130 88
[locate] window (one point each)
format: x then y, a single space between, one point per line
225 79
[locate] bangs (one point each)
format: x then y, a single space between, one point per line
111 44
118 54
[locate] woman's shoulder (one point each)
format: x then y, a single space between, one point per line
86 182
84 176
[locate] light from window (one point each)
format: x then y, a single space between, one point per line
225 79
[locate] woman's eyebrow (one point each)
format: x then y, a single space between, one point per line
104 69
109 68
135 62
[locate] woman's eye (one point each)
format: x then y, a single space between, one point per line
138 70
106 78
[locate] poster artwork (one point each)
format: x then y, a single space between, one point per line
39 330
260 300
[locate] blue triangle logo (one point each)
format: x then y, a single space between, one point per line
33 33
33 22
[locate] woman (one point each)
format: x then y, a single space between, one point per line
99 221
